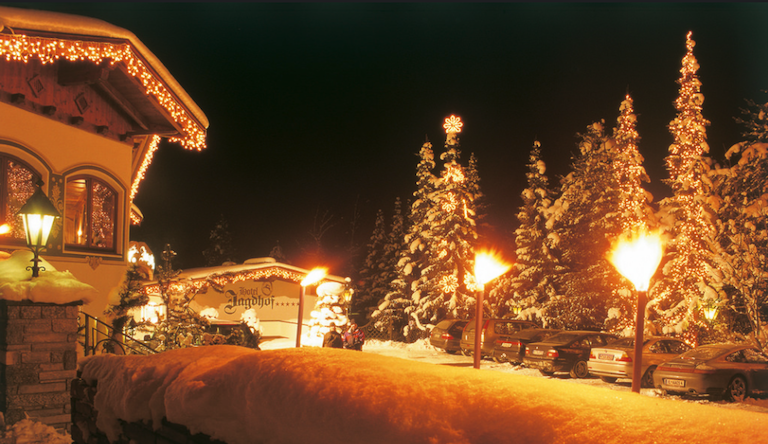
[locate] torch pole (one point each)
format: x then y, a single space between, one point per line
300 318
639 327
478 327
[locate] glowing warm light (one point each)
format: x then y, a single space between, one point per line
710 313
454 173
144 165
5 229
152 312
138 254
636 257
23 48
220 280
314 276
453 124
450 203
449 283
489 266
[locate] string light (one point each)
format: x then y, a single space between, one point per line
23 48
220 280
450 203
449 283
453 124
144 165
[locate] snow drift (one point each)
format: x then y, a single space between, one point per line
323 395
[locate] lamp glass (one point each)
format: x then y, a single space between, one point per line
38 228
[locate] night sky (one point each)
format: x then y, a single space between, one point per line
322 108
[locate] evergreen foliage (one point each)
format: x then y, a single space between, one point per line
583 221
689 277
220 249
741 243
530 283
130 298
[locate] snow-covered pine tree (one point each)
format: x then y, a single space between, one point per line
129 298
529 284
220 249
635 212
404 289
451 253
277 253
583 220
330 312
742 231
374 278
688 274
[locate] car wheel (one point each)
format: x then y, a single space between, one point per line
466 352
737 389
647 380
580 370
546 373
608 379
451 352
499 360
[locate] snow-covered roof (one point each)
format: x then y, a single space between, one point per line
75 28
252 269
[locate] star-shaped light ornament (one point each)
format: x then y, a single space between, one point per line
453 124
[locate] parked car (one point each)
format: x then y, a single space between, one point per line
616 360
492 329
447 335
566 351
511 348
731 371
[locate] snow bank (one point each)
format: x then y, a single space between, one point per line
327 395
58 287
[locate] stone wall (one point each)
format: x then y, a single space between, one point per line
84 430
38 361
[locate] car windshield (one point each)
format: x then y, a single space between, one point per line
564 338
704 353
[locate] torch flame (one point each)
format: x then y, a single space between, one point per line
314 276
489 266
636 257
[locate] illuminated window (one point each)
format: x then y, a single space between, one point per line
18 184
90 214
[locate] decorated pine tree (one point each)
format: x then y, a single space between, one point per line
688 274
444 290
635 213
330 313
529 284
390 315
583 220
741 244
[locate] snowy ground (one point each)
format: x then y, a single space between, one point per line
423 352
341 396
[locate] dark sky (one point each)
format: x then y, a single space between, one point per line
321 108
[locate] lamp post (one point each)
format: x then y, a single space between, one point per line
38 214
314 276
637 258
487 268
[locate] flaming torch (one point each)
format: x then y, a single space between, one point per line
487 268
314 276
636 257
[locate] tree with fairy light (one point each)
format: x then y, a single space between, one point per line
583 221
635 213
450 254
405 290
741 243
689 278
530 284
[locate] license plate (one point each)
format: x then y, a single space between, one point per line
674 382
538 352
506 344
605 357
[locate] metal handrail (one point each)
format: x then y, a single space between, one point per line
99 336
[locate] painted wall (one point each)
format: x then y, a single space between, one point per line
57 150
